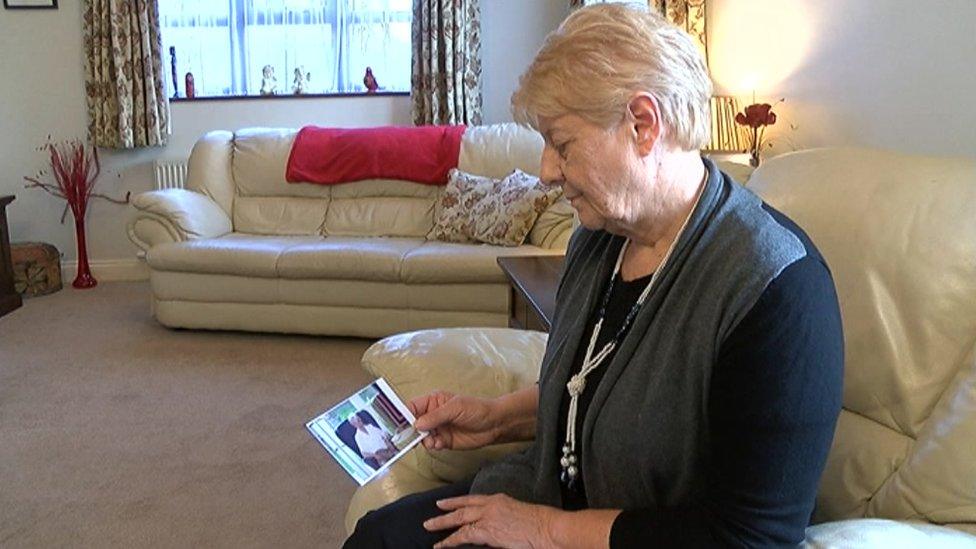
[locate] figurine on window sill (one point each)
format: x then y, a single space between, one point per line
191 89
300 83
269 84
370 81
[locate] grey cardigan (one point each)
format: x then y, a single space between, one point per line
644 435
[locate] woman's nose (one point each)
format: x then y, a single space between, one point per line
550 172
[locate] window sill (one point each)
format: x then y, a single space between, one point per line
286 96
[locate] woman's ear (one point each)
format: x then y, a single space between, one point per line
646 120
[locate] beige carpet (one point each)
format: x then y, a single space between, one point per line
117 432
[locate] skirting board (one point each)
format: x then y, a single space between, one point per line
108 270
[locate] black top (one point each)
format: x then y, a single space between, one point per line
772 410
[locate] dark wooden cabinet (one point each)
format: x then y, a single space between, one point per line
533 281
9 298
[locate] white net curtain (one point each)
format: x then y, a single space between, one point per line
227 43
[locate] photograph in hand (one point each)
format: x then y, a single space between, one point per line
367 432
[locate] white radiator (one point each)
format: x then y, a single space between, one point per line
170 174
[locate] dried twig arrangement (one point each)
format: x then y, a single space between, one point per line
74 170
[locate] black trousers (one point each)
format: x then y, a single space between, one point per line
400 524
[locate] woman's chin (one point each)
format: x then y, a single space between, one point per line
591 222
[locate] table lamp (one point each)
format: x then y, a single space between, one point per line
726 136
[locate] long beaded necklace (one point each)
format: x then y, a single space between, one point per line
569 462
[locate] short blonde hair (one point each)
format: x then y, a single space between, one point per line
601 55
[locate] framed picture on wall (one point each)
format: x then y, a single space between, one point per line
30 4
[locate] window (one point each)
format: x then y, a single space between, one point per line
227 44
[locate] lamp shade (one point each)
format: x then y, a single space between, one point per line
726 136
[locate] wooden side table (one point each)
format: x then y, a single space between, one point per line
533 281
9 298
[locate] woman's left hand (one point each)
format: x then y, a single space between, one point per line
496 520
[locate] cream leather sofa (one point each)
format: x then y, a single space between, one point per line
241 249
899 233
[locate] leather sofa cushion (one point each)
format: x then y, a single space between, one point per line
454 298
864 455
435 262
359 294
322 320
498 149
884 533
260 156
899 236
210 169
386 188
381 207
265 202
213 288
235 254
351 258
380 216
280 215
937 481
408 260
552 228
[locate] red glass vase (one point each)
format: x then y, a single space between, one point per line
84 278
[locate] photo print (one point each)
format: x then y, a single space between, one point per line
367 432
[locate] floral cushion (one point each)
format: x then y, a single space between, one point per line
473 208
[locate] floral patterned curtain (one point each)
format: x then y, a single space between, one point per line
127 105
687 14
446 75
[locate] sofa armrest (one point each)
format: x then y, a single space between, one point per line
173 215
485 362
554 226
482 362
736 170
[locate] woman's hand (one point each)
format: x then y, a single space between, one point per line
454 422
496 520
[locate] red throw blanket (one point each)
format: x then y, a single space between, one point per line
334 155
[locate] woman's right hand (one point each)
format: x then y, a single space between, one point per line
455 422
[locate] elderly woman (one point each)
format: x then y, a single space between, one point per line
692 378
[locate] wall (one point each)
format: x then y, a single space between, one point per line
895 74
886 73
511 33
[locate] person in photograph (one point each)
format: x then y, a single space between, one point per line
693 373
375 444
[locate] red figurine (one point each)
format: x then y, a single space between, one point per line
370 81
190 89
